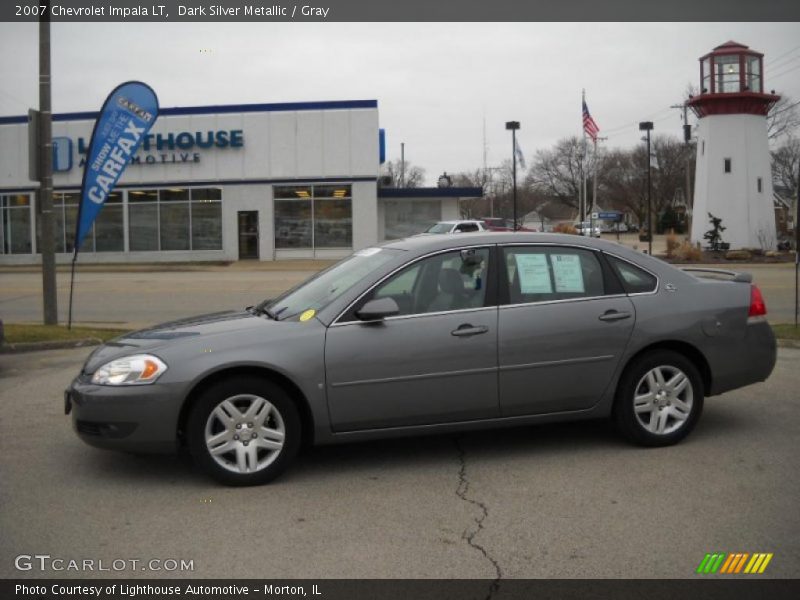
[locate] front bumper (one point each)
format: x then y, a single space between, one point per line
140 418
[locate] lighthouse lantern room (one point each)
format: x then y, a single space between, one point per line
733 175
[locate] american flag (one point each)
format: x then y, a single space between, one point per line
589 126
520 156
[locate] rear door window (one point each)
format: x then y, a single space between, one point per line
546 273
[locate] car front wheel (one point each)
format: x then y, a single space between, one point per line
244 431
659 399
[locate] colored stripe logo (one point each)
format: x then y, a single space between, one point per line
734 563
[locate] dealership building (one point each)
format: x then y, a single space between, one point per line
223 183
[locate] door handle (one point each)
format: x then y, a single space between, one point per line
613 315
467 330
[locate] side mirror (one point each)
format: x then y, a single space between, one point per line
375 310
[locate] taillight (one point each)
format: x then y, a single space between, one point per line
757 306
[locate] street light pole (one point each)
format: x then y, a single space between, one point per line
513 126
45 195
648 126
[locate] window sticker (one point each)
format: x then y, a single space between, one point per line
567 273
534 275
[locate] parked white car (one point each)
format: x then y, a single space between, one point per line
456 227
585 228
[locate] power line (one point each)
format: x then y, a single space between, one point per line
777 58
631 124
782 73
784 63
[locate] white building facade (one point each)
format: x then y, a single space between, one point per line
220 183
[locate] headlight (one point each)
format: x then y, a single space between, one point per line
132 370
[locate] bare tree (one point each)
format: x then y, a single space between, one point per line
413 176
622 177
785 165
784 119
622 181
558 173
473 208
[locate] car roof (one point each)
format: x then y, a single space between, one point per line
424 244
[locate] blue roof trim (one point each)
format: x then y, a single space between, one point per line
219 109
431 192
210 182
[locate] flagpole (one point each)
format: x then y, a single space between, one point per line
593 205
583 159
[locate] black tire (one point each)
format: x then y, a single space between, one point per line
668 408
281 417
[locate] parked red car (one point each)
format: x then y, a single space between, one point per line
500 224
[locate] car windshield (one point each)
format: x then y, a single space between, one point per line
326 286
439 228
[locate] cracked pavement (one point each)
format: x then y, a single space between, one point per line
567 500
471 532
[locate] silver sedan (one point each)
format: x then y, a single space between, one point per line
431 334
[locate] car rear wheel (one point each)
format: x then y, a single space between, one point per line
244 431
659 399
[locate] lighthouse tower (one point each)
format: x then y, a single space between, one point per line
733 176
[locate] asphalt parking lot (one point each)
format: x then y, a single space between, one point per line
569 500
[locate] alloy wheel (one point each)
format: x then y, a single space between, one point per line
663 400
245 433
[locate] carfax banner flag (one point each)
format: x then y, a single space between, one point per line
125 119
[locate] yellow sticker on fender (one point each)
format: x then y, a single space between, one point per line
308 315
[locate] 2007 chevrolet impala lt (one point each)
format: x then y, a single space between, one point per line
431 334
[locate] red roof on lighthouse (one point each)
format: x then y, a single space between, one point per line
731 45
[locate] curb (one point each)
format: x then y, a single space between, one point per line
56 345
786 343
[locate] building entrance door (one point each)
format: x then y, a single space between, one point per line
248 234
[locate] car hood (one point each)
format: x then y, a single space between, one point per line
180 331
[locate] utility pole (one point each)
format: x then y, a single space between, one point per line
687 140
594 185
45 195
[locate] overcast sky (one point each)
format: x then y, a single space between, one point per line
435 82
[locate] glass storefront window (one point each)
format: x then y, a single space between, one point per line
175 219
174 226
206 225
206 194
174 195
333 223
166 219
293 224
313 216
142 196
15 224
142 226
109 233
293 191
